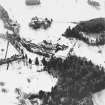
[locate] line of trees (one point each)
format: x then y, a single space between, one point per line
75 33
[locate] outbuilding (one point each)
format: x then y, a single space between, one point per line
32 2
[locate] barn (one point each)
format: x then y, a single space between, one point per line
32 2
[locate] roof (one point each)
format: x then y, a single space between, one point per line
32 2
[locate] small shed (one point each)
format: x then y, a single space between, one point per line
32 2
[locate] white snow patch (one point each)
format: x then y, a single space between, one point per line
12 79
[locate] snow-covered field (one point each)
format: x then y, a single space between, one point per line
62 12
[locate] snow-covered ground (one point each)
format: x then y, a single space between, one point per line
12 79
62 12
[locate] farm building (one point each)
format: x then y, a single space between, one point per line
32 2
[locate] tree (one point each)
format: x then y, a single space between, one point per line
44 62
36 61
30 61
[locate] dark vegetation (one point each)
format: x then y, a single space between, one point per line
2 83
4 90
11 59
40 23
77 79
93 26
94 4
3 14
44 48
36 61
